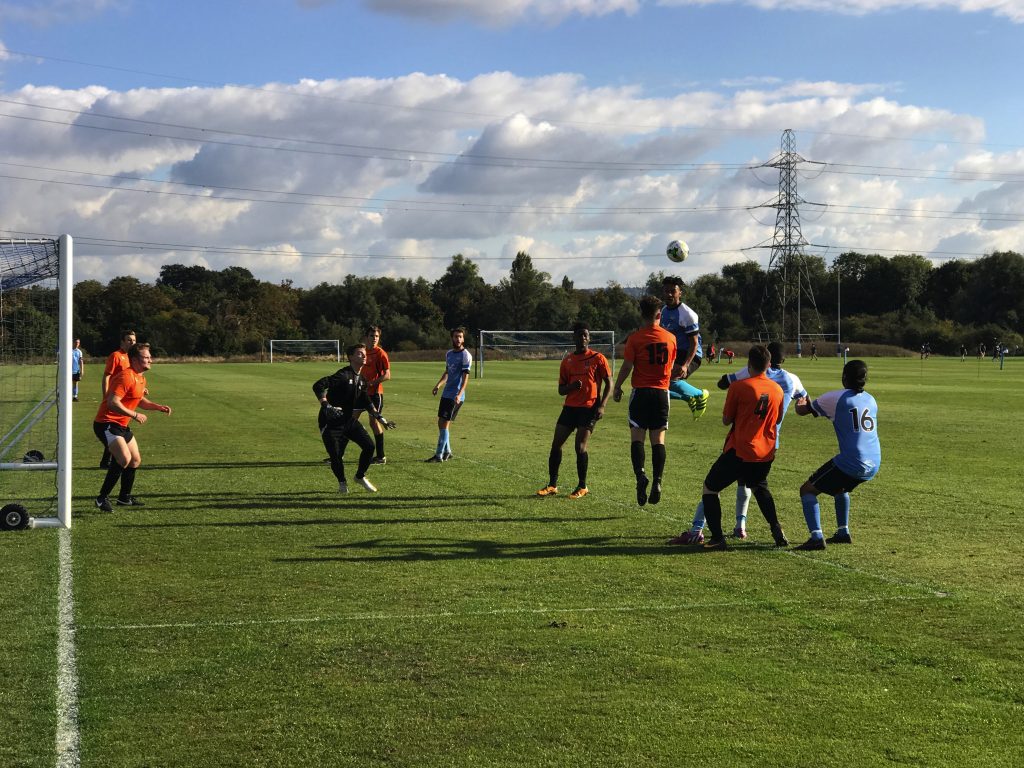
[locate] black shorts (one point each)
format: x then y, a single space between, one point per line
448 409
648 408
377 401
730 468
693 366
576 417
830 479
106 431
76 376
337 433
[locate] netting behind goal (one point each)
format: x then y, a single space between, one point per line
298 350
494 346
35 383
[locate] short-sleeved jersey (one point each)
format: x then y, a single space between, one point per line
376 364
854 415
76 360
116 361
792 388
754 406
130 387
456 363
589 368
652 351
681 321
345 389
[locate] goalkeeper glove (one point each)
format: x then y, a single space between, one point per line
332 412
385 423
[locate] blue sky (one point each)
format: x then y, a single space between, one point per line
395 133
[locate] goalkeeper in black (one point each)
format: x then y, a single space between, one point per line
342 397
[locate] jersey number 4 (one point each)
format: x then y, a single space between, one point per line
862 421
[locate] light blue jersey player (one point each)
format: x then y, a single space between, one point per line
792 389
457 364
683 323
854 415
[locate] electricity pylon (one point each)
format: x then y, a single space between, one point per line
787 247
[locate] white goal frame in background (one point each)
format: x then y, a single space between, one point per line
284 342
541 345
60 397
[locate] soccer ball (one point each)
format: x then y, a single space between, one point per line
677 251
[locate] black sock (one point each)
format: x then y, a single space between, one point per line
636 454
582 462
113 475
127 481
554 462
766 503
365 456
378 441
658 461
713 514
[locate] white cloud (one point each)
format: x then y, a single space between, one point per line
45 12
506 12
394 176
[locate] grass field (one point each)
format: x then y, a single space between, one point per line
249 615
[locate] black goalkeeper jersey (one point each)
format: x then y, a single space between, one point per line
345 389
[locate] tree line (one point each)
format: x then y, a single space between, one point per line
901 300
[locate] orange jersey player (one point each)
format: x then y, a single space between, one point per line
650 356
584 379
124 403
752 410
375 371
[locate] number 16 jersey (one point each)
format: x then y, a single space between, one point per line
854 415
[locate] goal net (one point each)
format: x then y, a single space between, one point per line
494 346
299 350
35 383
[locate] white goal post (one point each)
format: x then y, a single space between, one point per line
35 382
537 345
299 349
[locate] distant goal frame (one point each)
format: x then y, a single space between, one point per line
335 342
568 346
61 464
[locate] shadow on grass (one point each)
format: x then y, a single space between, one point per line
367 521
441 550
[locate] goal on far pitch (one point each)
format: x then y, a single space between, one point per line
537 345
35 383
291 350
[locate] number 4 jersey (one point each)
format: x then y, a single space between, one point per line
855 418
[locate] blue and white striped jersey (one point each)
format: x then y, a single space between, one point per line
456 363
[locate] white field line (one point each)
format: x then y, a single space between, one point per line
67 736
552 610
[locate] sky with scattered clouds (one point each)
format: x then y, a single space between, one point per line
311 139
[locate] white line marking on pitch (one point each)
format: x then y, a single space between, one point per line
67 738
501 612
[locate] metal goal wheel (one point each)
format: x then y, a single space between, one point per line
13 517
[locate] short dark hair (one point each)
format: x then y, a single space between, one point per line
758 358
778 352
371 328
855 375
126 333
649 306
457 329
579 328
351 349
135 351
672 280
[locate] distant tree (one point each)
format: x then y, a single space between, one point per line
522 293
462 295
